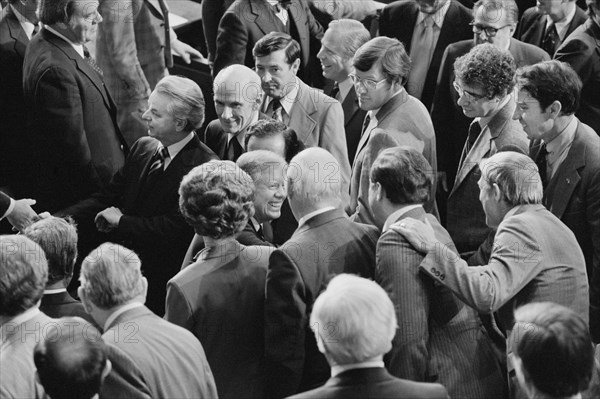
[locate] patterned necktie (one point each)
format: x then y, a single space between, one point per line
550 40
421 53
234 149
157 166
474 132
277 110
542 164
92 62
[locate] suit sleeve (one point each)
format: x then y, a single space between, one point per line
593 218
441 113
178 309
577 53
397 271
232 40
212 11
156 229
118 37
515 261
285 326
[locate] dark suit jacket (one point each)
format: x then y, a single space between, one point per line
373 383
354 117
151 225
247 21
450 123
573 195
75 145
438 337
62 304
154 358
532 27
4 203
13 41
216 139
328 244
212 12
466 218
220 299
398 20
581 50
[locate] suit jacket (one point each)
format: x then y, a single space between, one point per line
216 138
220 299
155 358
581 50
532 27
212 12
62 304
13 41
16 358
398 20
535 258
438 336
466 218
354 117
75 143
326 245
247 21
151 224
450 123
573 195
403 120
373 383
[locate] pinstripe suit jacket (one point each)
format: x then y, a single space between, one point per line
439 339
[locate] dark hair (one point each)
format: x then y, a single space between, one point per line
404 174
395 62
270 128
551 81
70 359
54 11
488 67
275 41
555 347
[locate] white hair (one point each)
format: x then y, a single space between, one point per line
314 177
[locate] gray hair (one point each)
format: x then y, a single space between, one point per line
313 176
187 100
255 163
351 35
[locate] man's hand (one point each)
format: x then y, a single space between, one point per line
22 215
186 52
108 220
419 234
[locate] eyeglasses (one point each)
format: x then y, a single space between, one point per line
464 93
489 31
369 84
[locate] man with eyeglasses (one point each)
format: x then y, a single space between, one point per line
581 50
494 21
394 117
484 81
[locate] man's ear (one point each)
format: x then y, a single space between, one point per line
180 124
145 288
295 66
83 299
554 109
498 196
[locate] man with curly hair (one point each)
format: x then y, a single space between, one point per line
484 82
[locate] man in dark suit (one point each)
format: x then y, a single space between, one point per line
407 19
237 97
549 23
150 356
494 22
73 141
212 12
568 152
484 82
581 50
338 46
356 351
139 208
438 336
18 23
247 21
325 243
18 212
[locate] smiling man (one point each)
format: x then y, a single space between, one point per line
237 101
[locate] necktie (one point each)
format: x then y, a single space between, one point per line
36 29
335 91
474 131
234 149
157 166
366 123
92 62
277 109
550 40
421 52
542 164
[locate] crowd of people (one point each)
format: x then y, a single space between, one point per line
396 201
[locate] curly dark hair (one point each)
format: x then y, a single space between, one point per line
216 198
489 67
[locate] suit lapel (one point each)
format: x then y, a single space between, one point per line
302 111
537 29
17 33
350 106
407 27
263 17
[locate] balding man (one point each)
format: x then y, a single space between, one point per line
237 98
325 243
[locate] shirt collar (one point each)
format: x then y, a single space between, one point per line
338 369
561 26
241 135
287 102
312 214
176 148
438 16
26 24
255 223
396 215
563 139
55 291
120 311
76 47
25 316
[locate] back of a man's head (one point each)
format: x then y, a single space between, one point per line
70 359
353 320
23 274
111 276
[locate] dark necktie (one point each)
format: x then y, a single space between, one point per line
366 123
474 132
277 109
335 91
541 163
92 62
550 40
234 149
158 163
36 29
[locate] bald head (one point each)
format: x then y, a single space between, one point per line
237 98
